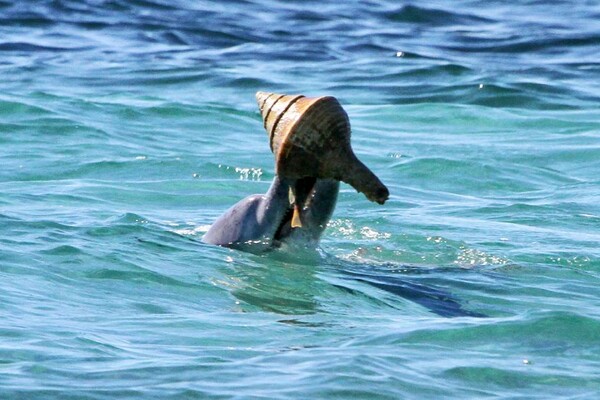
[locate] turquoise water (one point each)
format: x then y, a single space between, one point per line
128 126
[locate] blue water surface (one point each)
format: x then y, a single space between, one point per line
128 126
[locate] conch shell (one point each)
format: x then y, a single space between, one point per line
310 137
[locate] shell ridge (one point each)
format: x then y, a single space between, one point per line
280 116
266 116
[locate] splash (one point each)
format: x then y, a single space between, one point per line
190 230
468 258
249 174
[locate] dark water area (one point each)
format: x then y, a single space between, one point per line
127 127
529 54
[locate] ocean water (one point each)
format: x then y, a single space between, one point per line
128 126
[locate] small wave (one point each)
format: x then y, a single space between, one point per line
126 224
519 45
434 17
193 231
142 275
29 19
30 47
10 108
64 250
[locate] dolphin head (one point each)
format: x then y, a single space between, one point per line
310 204
293 211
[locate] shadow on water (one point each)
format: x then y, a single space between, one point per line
278 281
436 300
287 281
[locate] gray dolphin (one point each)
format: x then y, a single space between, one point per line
262 222
259 223
296 210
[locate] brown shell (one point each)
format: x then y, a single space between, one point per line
310 136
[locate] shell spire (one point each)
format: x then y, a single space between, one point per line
310 136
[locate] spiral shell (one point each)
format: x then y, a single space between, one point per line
310 136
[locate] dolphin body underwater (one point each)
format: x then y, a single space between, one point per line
310 138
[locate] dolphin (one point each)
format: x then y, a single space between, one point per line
260 223
293 211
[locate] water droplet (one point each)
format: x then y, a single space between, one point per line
249 173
